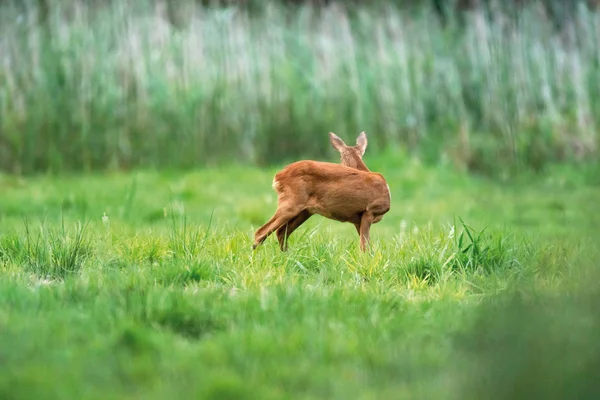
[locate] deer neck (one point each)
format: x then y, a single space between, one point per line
353 161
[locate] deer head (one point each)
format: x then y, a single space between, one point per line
351 156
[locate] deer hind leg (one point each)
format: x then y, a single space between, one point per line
284 231
259 235
281 217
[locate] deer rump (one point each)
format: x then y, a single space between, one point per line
332 190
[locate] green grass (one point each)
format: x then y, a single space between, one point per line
127 84
144 285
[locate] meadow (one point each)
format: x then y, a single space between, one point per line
137 150
144 285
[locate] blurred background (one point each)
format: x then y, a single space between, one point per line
488 86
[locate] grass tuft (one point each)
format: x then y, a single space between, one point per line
51 253
183 242
477 252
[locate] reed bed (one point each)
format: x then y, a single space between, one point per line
131 84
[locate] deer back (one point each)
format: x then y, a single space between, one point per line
332 190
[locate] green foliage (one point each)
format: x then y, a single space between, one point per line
122 84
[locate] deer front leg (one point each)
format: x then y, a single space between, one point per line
365 226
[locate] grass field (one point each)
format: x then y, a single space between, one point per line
144 285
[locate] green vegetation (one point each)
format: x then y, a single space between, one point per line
144 285
130 84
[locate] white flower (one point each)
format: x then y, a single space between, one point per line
105 219
451 233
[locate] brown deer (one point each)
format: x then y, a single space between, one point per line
347 193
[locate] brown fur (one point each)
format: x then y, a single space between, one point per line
345 193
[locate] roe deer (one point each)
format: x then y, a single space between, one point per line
347 193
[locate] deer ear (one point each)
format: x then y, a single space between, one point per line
336 142
361 142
